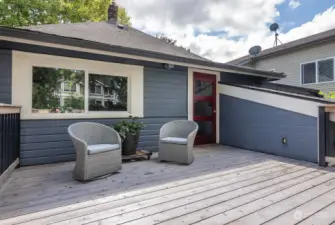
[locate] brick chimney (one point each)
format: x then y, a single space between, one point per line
112 12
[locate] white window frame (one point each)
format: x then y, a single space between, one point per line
317 71
87 73
23 64
70 91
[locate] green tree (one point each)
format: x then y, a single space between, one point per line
47 86
16 13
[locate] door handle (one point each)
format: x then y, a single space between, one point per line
214 111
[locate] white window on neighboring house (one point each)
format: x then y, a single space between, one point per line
326 70
70 87
308 73
319 71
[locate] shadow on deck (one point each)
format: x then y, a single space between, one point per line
40 188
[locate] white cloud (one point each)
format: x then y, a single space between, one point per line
240 23
294 4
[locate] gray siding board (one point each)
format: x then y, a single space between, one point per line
258 127
48 159
165 99
46 153
5 76
47 141
65 123
289 63
165 93
173 95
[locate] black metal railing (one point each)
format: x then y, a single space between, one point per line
9 136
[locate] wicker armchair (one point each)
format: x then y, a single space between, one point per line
98 150
176 141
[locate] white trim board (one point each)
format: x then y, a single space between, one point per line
22 67
305 107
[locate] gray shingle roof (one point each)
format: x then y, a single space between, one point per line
111 34
290 46
108 37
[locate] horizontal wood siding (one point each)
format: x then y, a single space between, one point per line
47 141
5 76
258 127
165 99
165 93
289 63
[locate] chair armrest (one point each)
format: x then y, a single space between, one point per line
191 137
112 137
165 131
79 144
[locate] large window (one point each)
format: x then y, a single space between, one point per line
308 73
50 97
108 93
58 90
317 72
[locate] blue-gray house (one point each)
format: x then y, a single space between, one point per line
102 71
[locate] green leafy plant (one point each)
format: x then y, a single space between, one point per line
126 127
329 95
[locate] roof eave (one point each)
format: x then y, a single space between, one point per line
56 39
285 50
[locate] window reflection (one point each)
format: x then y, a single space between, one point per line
58 90
107 93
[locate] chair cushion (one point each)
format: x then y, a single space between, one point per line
174 140
95 149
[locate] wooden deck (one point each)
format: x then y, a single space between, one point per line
223 186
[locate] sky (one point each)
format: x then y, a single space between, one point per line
223 30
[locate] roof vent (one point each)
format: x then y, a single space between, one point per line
112 12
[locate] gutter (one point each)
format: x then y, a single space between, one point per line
56 39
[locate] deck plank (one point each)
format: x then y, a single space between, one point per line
187 206
323 217
304 211
246 209
174 195
279 208
20 205
224 185
194 186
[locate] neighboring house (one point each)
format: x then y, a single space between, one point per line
111 72
307 62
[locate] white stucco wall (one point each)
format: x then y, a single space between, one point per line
22 68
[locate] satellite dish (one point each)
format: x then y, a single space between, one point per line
274 27
254 51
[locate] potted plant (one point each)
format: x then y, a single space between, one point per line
129 131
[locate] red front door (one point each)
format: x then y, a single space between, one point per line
204 107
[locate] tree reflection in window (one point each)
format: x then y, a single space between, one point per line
48 90
107 93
